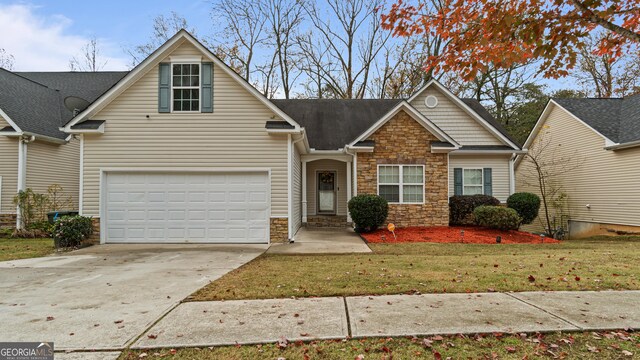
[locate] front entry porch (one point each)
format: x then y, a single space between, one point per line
322 241
327 187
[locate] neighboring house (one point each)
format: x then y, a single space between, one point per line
34 152
182 149
602 139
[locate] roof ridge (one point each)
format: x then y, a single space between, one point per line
73 72
25 78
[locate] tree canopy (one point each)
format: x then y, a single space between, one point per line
503 33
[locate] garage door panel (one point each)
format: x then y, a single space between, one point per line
205 208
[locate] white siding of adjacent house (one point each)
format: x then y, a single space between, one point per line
296 188
453 120
8 171
606 180
233 136
49 164
499 165
333 165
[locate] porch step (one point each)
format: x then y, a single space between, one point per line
327 221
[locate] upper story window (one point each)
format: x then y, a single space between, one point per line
185 87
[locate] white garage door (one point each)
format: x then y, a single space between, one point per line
187 208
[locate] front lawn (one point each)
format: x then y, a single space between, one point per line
603 345
595 264
13 249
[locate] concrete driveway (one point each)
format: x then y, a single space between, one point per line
104 297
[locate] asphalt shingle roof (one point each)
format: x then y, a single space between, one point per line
617 118
35 100
333 123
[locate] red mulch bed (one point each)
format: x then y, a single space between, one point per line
452 234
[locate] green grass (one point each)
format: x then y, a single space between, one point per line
594 264
13 249
589 346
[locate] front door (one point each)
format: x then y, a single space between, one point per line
326 182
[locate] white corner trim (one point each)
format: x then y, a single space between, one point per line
466 109
153 60
289 189
81 180
422 120
512 177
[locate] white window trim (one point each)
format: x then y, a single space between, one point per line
401 183
481 181
187 87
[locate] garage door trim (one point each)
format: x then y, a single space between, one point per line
193 170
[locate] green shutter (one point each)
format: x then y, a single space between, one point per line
206 88
488 184
457 181
164 89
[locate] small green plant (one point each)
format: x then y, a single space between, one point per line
461 207
497 217
526 205
368 211
70 231
35 206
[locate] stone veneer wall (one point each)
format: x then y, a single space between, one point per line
279 230
402 140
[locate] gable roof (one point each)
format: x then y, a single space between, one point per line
475 110
617 119
332 123
34 101
152 60
476 106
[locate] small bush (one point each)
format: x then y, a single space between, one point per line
70 231
368 212
461 207
497 217
526 205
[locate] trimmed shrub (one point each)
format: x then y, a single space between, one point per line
461 207
526 204
70 231
368 212
497 217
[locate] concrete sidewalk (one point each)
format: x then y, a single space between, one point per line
261 321
322 241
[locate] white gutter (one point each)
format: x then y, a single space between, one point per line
623 145
493 152
22 173
35 137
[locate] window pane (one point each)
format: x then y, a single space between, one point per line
472 190
412 193
195 69
177 81
389 175
177 105
177 69
194 81
472 177
195 105
391 193
412 174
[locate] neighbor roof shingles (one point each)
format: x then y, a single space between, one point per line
616 118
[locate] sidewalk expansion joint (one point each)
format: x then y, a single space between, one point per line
346 310
545 311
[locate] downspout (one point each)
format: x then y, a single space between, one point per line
22 173
512 175
291 150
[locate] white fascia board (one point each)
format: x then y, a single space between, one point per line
155 58
622 146
466 109
488 152
9 121
404 105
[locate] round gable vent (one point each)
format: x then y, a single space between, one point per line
431 101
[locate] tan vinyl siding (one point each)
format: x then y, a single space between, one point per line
296 187
453 120
233 136
8 171
49 164
605 179
341 171
499 165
